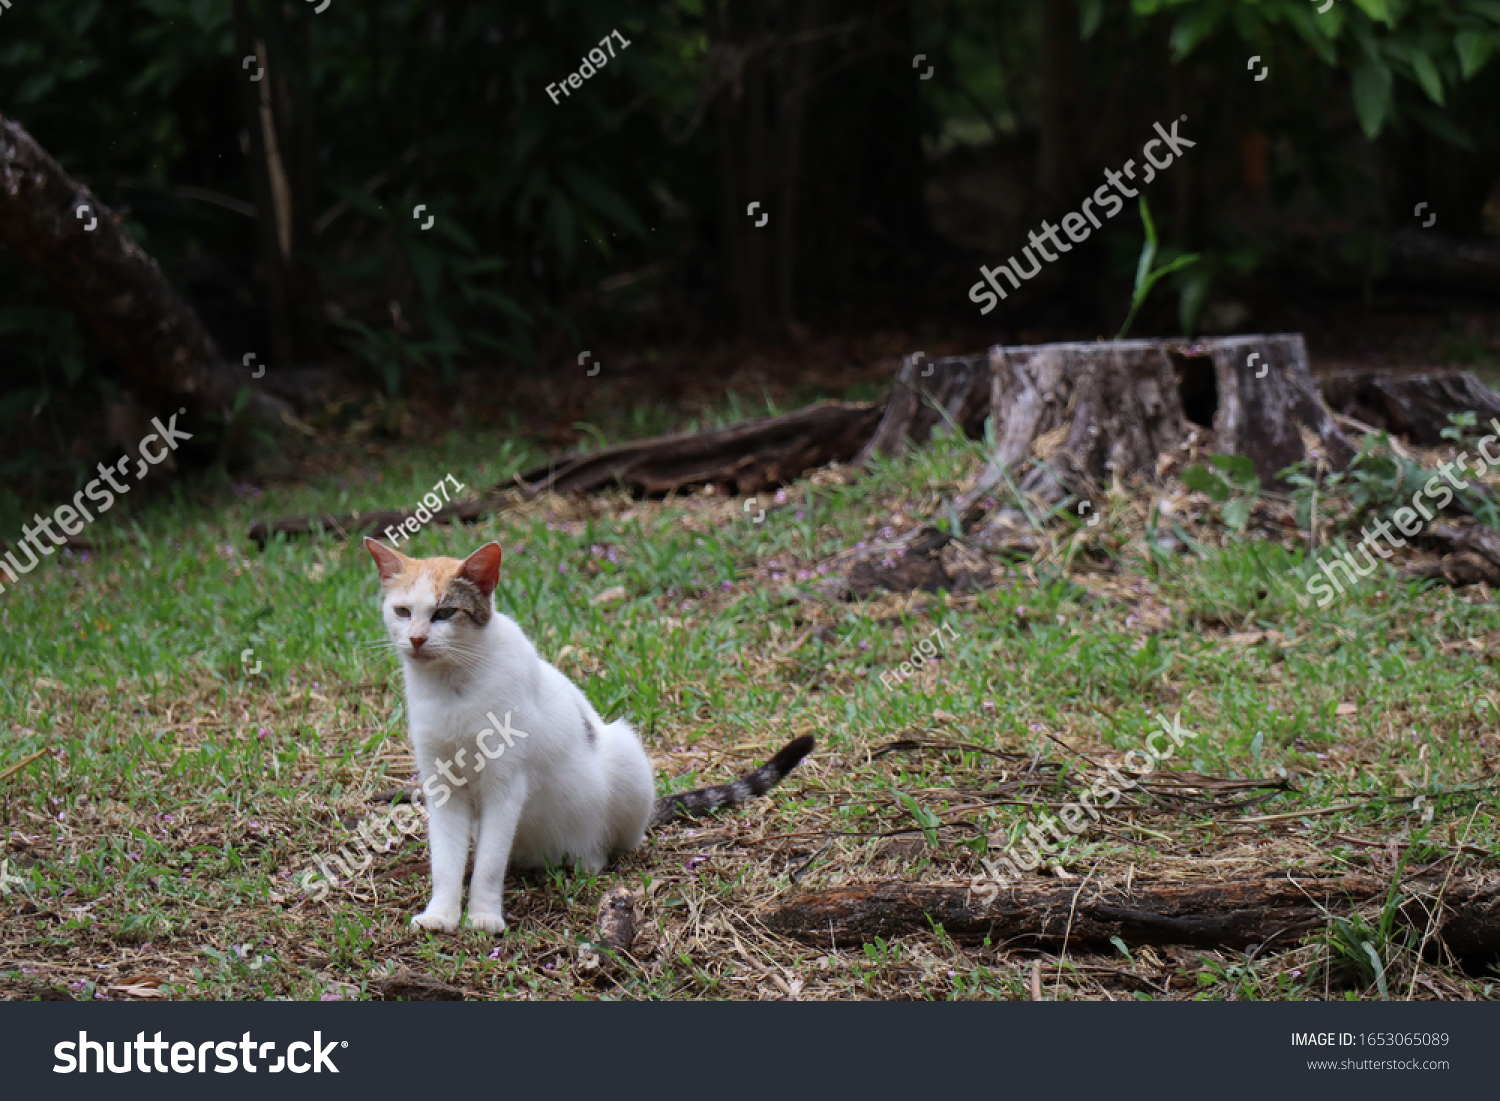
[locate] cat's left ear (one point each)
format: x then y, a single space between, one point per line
483 568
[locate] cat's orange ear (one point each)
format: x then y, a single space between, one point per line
483 568
389 562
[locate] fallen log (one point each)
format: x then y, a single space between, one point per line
1275 909
354 524
1084 416
1415 406
743 458
1432 261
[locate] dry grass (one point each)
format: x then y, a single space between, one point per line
178 798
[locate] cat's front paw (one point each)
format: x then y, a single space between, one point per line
437 921
490 923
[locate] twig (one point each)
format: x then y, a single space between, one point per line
10 771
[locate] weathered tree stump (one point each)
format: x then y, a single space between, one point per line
951 390
1414 406
1092 417
1096 415
1279 908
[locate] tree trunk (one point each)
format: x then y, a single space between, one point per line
61 230
1414 406
277 116
1276 909
953 390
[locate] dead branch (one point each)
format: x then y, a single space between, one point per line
1275 909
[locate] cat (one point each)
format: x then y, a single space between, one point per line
550 781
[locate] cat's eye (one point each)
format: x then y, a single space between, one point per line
444 613
403 613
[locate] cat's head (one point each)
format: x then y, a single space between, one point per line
434 608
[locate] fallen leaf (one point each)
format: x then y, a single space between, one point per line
1346 709
610 595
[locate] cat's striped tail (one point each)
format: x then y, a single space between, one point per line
693 804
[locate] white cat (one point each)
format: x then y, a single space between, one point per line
512 755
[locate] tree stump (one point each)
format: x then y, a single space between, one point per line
1092 417
1096 415
951 390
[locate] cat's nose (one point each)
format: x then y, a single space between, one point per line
416 643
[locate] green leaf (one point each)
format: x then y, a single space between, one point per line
1428 76
1148 251
1193 27
1203 480
1473 49
1238 468
1180 262
1441 124
1371 86
1090 15
1237 513
1309 25
1376 10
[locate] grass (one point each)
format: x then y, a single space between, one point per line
180 793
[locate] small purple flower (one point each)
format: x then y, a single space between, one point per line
693 863
864 645
494 954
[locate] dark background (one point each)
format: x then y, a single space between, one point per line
614 221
